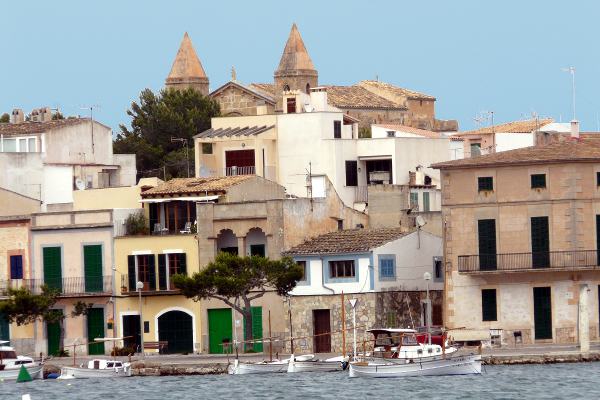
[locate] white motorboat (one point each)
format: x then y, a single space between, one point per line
10 364
309 363
263 367
97 368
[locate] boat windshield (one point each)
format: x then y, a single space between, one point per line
8 354
394 339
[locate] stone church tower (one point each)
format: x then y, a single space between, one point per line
296 70
187 71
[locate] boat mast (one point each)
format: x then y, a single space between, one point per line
291 327
270 339
343 327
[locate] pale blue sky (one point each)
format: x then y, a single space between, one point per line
473 56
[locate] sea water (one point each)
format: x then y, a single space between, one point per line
558 381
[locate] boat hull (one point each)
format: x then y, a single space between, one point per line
314 366
458 365
257 368
77 373
35 371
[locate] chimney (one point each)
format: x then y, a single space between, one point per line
45 114
35 115
318 98
575 129
17 116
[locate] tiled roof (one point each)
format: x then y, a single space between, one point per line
586 149
358 97
24 128
348 241
525 126
245 131
187 64
410 129
392 92
266 89
295 56
195 185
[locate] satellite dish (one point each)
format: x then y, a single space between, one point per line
80 184
420 221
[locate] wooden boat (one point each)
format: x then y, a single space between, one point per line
10 364
97 368
312 364
263 367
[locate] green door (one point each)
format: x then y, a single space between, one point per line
92 267
542 312
176 328
4 328
219 329
52 267
53 335
95 329
257 332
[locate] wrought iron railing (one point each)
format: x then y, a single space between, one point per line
569 260
232 171
72 286
129 286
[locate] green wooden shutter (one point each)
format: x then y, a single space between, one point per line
131 273
52 267
487 244
92 265
4 328
182 264
426 206
540 242
542 312
53 336
95 329
257 332
162 272
152 271
598 241
489 310
219 329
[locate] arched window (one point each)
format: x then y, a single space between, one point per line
286 88
308 88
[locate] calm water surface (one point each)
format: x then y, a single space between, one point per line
560 381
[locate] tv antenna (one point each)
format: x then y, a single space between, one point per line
571 70
91 108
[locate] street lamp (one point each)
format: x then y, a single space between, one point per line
139 286
427 277
353 303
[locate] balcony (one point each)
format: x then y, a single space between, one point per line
233 171
67 287
528 262
128 288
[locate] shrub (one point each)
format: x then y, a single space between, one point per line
137 224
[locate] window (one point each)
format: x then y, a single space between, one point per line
286 88
597 178
308 88
391 133
22 145
426 206
475 149
342 269
485 183
340 224
387 267
337 129
16 267
538 181
207 148
291 105
488 305
9 145
414 200
351 173
302 264
438 268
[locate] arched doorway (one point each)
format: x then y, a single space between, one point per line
227 242
256 240
177 328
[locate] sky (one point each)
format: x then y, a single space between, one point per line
475 57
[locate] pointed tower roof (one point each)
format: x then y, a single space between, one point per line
187 65
295 56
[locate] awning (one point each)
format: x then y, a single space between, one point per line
387 157
189 198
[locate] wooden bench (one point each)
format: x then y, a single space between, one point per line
160 345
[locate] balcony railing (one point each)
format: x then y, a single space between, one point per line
129 286
549 260
67 287
232 171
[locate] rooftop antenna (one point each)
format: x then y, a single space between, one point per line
91 108
571 70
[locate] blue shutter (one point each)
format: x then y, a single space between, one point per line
16 267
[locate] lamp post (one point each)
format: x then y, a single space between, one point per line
353 303
139 286
427 277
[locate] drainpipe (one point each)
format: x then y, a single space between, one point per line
323 277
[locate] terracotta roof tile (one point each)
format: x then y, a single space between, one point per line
38 127
586 149
358 97
195 185
410 129
525 126
348 241
392 92
266 89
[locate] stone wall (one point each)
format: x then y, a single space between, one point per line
235 101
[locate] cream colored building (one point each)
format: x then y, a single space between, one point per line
521 240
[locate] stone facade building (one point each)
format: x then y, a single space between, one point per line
521 242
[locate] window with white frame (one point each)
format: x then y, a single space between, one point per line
342 269
19 145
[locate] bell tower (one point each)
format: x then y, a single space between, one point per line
187 71
296 70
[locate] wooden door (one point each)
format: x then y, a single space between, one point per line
257 331
176 328
542 312
131 331
322 331
540 242
219 330
95 329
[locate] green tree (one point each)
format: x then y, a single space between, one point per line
23 307
4 118
238 280
57 115
157 118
